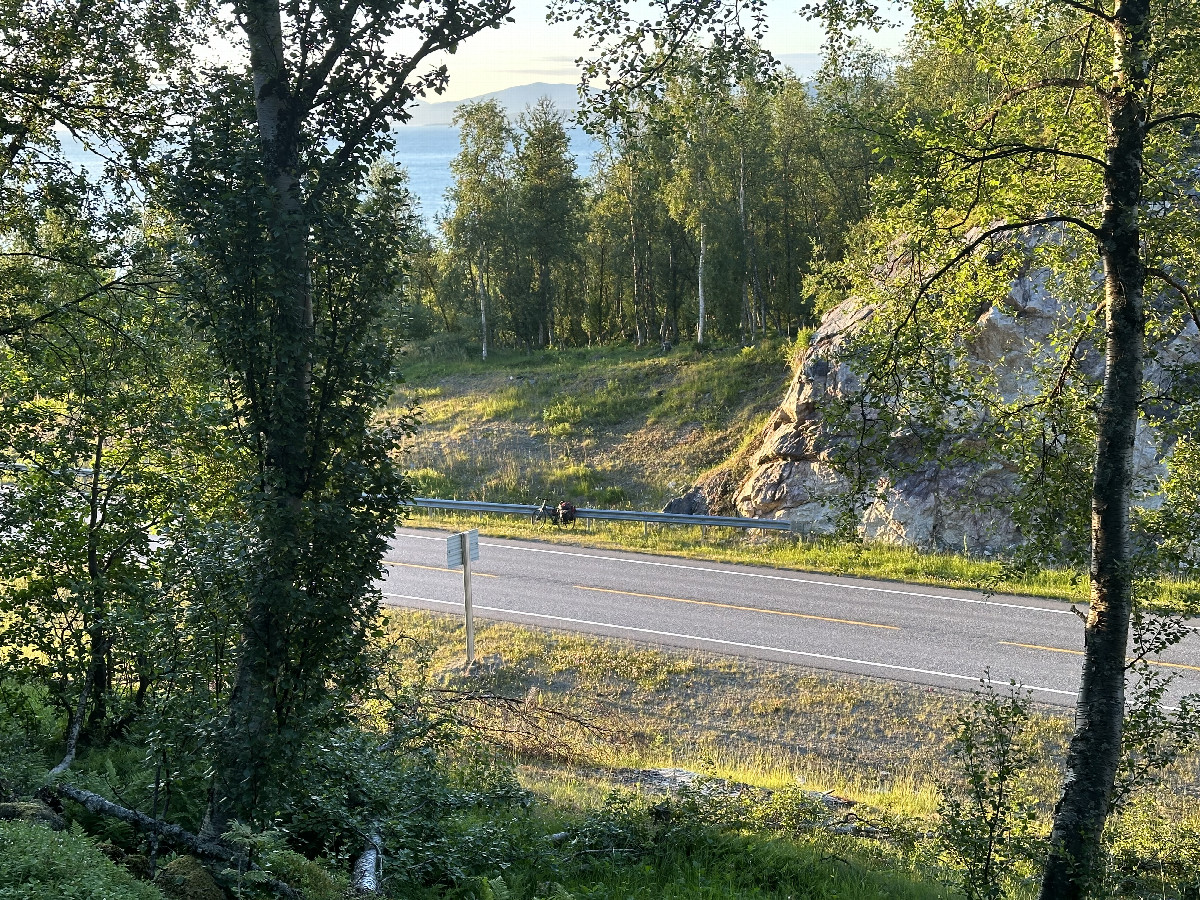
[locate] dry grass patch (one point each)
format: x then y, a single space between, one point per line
761 723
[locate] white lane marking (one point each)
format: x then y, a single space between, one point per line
708 640
834 584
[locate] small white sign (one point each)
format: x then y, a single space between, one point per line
454 557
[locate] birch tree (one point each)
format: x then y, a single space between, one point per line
550 203
481 197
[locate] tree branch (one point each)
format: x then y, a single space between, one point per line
76 724
441 37
343 38
970 248
1009 95
1183 291
172 834
1173 117
1006 151
1090 10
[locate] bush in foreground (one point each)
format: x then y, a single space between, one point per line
39 864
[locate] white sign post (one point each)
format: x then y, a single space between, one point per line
461 548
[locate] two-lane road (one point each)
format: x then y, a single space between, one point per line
910 633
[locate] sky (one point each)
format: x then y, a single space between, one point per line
530 49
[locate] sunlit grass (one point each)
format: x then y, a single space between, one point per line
629 428
765 724
609 706
645 423
886 562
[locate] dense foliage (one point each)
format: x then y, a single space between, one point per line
710 211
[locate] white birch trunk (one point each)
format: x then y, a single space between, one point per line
700 318
483 333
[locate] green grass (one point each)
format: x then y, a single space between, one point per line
886 562
622 427
770 725
593 709
642 424
723 866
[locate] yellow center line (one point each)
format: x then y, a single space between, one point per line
388 562
770 612
1153 662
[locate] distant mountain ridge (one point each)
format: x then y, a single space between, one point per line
564 94
513 100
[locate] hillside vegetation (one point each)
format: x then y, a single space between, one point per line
606 427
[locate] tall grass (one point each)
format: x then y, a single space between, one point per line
643 423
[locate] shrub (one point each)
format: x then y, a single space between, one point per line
1153 850
27 724
989 816
310 878
39 864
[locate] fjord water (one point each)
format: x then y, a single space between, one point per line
426 151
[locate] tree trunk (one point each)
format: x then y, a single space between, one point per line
1095 749
747 306
483 327
99 675
635 263
260 700
700 290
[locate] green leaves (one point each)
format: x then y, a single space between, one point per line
989 814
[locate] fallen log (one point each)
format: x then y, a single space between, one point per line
178 837
172 834
368 868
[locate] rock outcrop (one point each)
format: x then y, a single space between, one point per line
948 503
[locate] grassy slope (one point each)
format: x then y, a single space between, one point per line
604 427
594 708
762 723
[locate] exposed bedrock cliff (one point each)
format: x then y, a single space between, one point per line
949 502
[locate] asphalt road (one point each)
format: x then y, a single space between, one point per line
909 633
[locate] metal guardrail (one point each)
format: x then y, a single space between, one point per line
611 515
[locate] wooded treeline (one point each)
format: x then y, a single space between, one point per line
709 211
